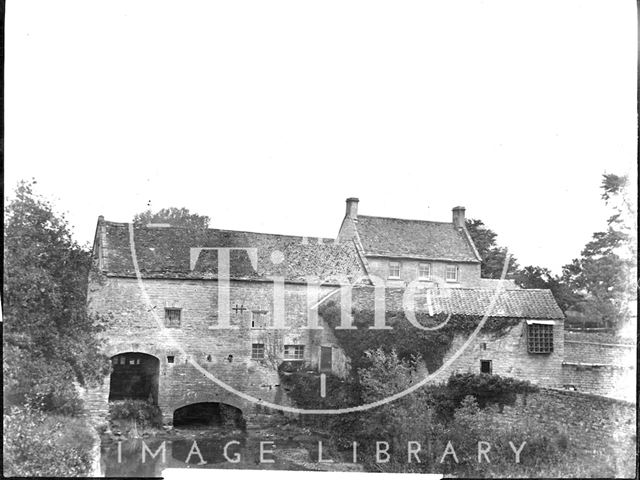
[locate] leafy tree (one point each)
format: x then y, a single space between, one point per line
493 256
50 342
604 276
177 217
540 277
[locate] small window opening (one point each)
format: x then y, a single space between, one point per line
485 366
170 358
208 358
230 358
483 346
172 317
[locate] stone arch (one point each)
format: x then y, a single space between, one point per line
134 375
208 414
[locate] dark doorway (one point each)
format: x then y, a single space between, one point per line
134 376
325 358
208 414
485 366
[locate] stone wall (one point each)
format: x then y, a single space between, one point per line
590 423
509 356
600 367
468 273
197 347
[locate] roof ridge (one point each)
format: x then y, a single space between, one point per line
180 227
406 219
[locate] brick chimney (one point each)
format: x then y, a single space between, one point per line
458 217
352 208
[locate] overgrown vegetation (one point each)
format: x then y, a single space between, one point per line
463 411
140 413
51 344
47 445
408 341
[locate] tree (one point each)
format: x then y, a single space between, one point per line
604 275
493 256
177 217
50 342
540 277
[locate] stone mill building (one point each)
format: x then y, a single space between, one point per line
207 316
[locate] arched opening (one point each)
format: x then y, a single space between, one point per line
208 414
134 375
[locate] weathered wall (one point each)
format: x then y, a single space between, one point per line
133 314
468 273
509 356
590 423
600 367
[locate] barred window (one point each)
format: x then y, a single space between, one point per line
294 352
257 351
540 338
424 271
394 269
451 273
172 317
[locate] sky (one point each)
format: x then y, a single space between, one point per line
267 115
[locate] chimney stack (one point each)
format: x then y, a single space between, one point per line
352 208
458 217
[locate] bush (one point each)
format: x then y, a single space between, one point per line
37 444
143 413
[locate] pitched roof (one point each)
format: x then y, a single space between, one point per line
519 303
166 252
414 238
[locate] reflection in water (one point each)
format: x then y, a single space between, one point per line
125 458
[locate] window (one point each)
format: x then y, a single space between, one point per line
451 273
170 358
394 269
540 338
294 352
172 317
257 351
259 318
424 271
485 366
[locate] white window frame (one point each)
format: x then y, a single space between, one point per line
393 262
422 277
446 273
296 354
257 347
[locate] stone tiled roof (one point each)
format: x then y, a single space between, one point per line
414 238
519 303
165 252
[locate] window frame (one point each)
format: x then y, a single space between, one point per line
257 347
298 354
429 269
446 273
540 338
167 321
490 363
394 262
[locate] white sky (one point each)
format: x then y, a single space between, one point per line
266 115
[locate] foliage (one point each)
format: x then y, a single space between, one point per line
540 277
144 414
50 340
485 388
604 277
177 217
493 256
407 340
37 444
